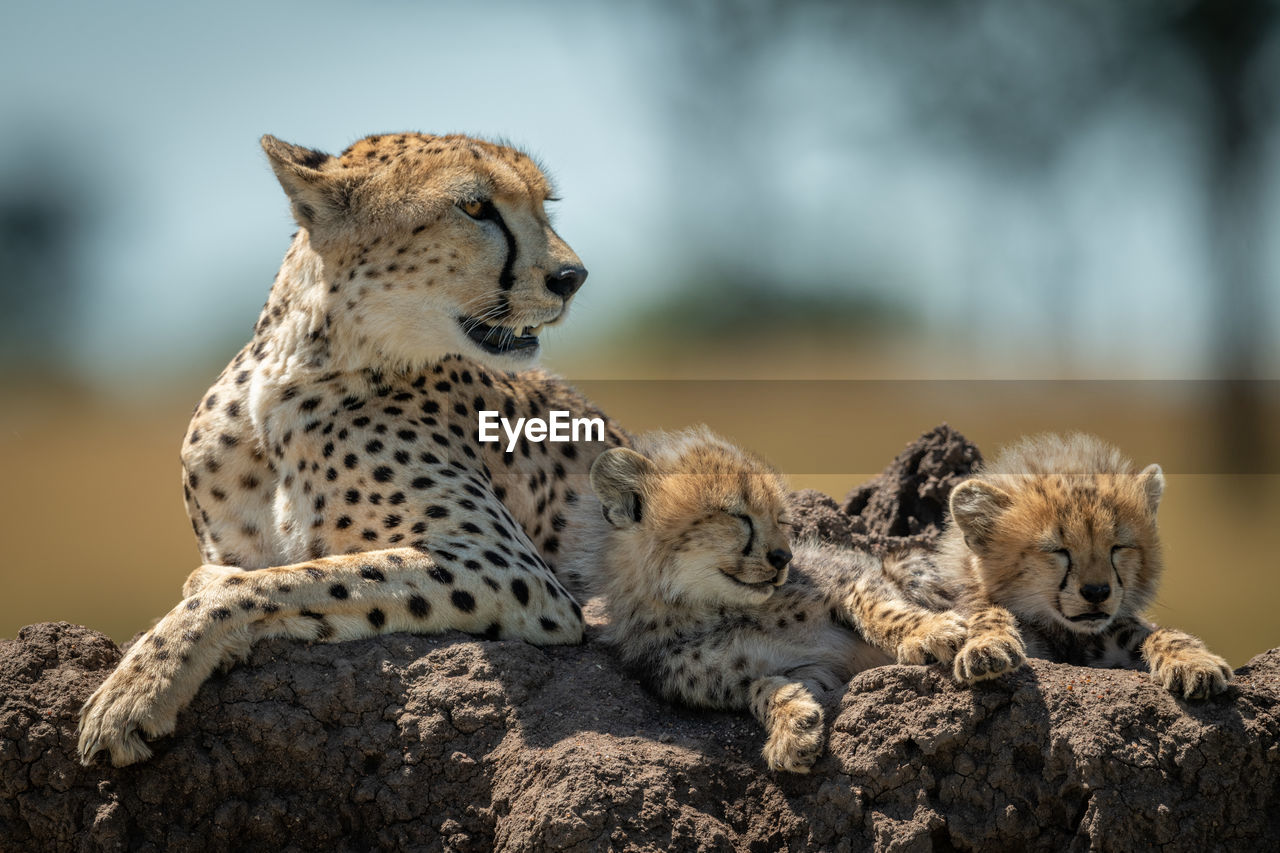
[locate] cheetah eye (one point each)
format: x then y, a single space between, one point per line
475 209
1065 555
751 531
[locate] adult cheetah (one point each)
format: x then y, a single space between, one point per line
334 473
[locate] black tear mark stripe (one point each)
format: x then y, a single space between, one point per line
506 280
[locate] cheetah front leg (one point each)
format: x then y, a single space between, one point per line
992 646
329 599
910 633
1183 664
157 677
792 720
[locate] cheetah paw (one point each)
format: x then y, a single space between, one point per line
116 717
989 655
795 731
1194 675
939 636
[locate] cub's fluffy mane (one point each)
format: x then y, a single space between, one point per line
1046 454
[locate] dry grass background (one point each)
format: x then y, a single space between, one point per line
95 530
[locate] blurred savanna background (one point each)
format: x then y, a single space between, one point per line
820 227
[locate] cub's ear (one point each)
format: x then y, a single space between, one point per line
976 507
618 477
1152 481
316 196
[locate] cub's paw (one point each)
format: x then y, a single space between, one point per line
795 730
937 636
989 655
118 714
1193 673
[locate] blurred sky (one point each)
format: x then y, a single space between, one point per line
940 161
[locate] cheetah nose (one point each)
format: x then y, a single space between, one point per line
566 281
779 557
1095 593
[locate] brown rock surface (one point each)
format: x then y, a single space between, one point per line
450 743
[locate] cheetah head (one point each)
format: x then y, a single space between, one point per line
423 246
705 518
1075 549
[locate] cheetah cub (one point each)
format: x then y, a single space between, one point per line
1059 530
688 546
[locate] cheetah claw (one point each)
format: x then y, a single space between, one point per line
114 720
1195 676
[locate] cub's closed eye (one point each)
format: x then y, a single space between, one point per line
474 209
1064 554
751 531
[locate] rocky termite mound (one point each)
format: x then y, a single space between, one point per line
452 743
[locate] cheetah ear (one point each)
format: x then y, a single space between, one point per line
315 196
618 477
1152 481
976 507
